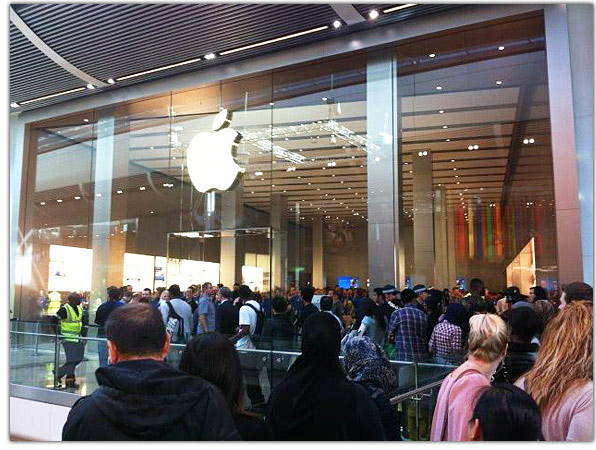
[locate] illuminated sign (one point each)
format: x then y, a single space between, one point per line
209 158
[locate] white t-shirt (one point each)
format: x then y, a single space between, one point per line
182 308
248 316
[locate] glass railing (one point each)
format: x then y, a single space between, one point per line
36 350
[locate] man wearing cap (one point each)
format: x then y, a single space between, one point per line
407 328
422 294
387 300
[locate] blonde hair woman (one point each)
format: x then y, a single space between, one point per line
561 380
487 345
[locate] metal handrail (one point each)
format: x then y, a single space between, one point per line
412 394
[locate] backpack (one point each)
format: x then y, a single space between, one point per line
175 324
260 322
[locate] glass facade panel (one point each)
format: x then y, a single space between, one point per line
476 160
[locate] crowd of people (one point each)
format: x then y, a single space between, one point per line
524 363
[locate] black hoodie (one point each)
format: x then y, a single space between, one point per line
151 401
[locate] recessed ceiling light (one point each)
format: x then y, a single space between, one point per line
336 24
118 191
470 147
453 160
526 141
501 48
499 82
90 86
85 120
271 41
432 55
532 140
445 127
373 14
447 140
42 203
111 81
59 200
476 147
405 164
210 56
45 97
455 168
441 111
77 197
439 88
14 105
258 174
142 188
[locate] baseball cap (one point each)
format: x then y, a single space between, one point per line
389 289
419 288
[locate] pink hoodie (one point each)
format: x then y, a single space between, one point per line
455 403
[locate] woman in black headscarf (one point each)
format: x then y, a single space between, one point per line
315 401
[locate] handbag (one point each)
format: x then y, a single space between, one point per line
175 323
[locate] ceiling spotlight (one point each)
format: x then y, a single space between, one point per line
111 81
119 191
90 86
59 201
210 56
14 105
439 88
476 147
373 14
142 188
432 55
453 160
291 169
42 203
424 153
78 197
447 140
445 127
532 140
499 82
336 24
441 111
470 147
455 168
258 174
501 48
526 141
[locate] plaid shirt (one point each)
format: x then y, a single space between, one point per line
445 342
409 326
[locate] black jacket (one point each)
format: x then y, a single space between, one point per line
279 331
226 318
151 401
519 359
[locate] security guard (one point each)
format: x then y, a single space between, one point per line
55 299
72 321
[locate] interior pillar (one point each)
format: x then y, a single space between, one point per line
424 252
279 241
318 277
441 247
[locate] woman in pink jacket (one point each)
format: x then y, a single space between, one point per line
487 344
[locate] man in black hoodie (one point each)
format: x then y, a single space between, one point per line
142 398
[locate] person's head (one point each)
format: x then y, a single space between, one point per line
359 292
165 295
146 293
513 294
369 307
206 288
292 291
219 285
421 293
321 337
456 314
244 292
476 286
576 291
175 291
307 293
158 291
279 304
565 358
433 302
408 296
545 311
113 294
326 303
504 412
224 293
487 340
366 362
213 357
189 293
523 324
537 293
390 293
129 288
73 299
136 331
136 297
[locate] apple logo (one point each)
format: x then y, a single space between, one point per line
209 156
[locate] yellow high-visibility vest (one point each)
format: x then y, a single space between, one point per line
72 325
54 303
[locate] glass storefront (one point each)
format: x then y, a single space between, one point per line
426 162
